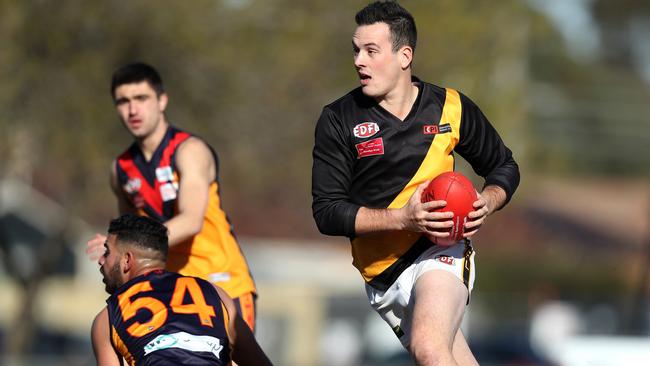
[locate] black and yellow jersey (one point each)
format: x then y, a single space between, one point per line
366 157
163 318
152 186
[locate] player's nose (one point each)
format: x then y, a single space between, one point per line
358 60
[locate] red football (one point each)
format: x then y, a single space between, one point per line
460 195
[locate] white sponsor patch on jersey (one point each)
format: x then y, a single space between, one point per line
164 174
167 192
365 130
185 341
219 277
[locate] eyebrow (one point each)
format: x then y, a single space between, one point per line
365 44
132 97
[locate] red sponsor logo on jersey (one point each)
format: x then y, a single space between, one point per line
365 130
445 259
370 148
430 129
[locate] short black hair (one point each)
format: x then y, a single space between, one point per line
136 72
142 232
399 20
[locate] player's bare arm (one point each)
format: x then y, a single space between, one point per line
414 216
102 347
197 169
491 199
124 206
245 349
95 246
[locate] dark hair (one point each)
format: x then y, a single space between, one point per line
140 231
399 20
135 73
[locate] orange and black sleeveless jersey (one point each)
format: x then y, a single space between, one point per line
366 157
163 318
152 188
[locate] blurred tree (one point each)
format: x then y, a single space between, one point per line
248 75
589 114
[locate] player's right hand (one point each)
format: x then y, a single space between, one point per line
423 217
95 247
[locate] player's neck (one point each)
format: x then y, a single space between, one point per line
146 266
149 143
400 100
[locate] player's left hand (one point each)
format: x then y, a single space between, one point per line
476 218
95 247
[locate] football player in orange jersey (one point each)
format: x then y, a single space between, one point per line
172 176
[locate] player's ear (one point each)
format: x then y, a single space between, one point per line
405 55
128 261
162 101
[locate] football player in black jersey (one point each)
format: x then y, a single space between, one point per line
155 317
375 150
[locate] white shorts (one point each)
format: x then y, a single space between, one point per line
395 306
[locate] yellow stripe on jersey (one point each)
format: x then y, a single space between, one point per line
121 347
372 254
438 158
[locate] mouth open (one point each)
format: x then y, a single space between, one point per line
364 78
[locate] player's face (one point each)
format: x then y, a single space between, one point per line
376 63
140 109
110 266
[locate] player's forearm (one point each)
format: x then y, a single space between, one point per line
370 220
182 229
494 196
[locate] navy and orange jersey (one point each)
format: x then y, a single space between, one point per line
152 188
163 318
366 157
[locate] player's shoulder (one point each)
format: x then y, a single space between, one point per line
441 92
193 145
432 90
102 313
181 138
101 320
208 288
194 140
343 99
351 101
169 275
